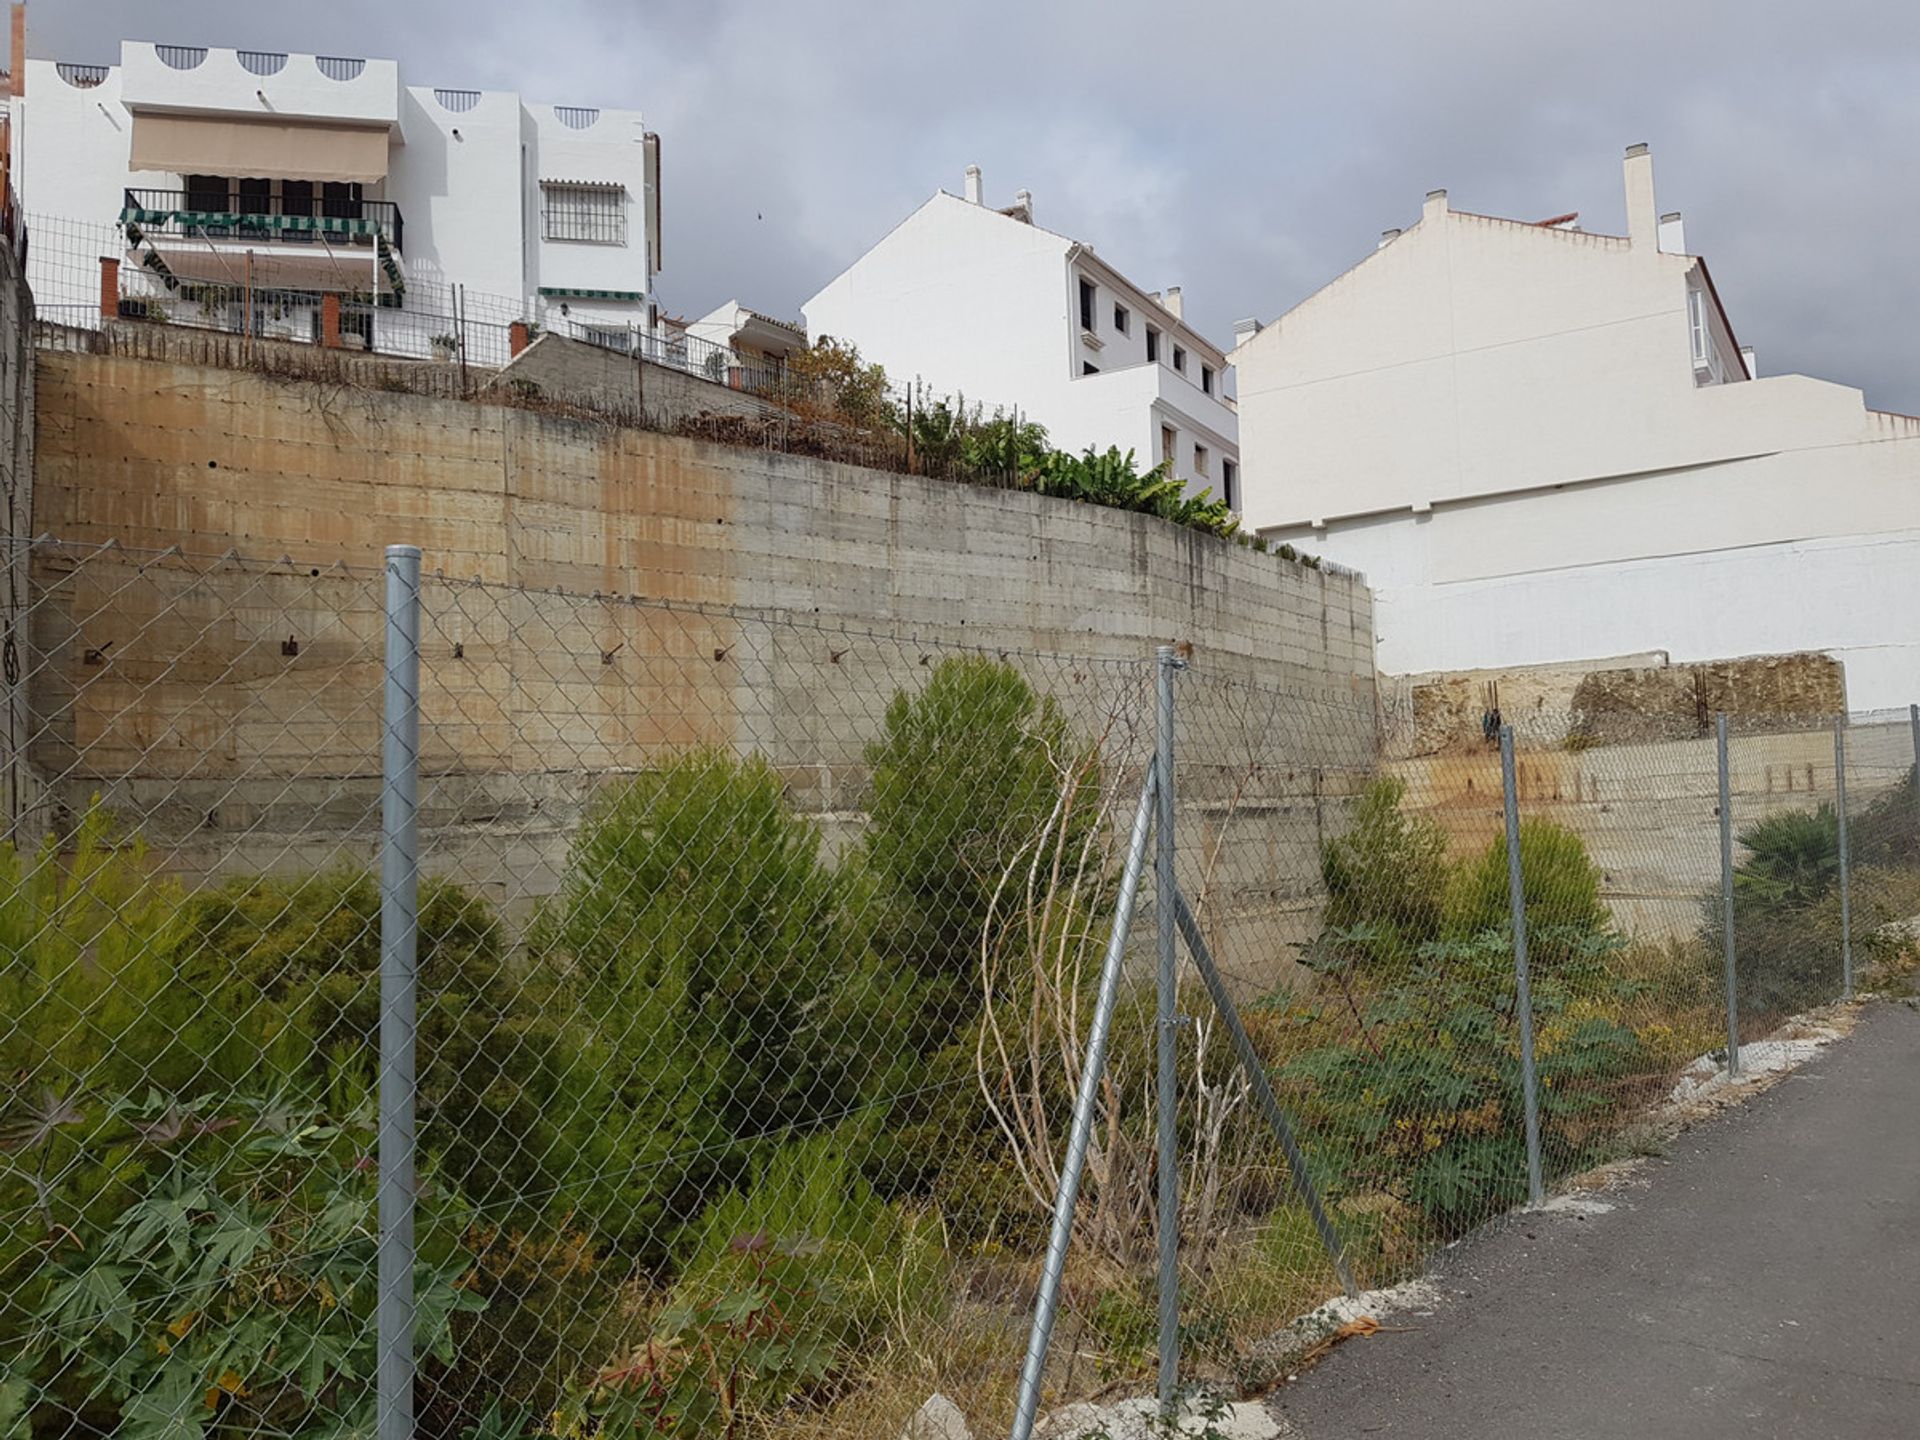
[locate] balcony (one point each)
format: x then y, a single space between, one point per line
291 233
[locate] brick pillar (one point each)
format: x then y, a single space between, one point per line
330 320
109 288
17 52
516 337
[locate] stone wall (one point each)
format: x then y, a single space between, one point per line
1624 700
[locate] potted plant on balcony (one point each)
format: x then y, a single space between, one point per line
445 347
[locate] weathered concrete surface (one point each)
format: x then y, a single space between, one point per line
559 367
597 594
1649 812
1765 1282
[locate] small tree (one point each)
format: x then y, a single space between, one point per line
1386 878
831 377
1559 883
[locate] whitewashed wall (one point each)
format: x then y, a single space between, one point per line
1499 425
971 301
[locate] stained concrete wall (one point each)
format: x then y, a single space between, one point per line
598 594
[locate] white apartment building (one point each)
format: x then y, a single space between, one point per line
1542 444
983 302
297 176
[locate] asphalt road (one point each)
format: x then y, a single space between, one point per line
1763 1281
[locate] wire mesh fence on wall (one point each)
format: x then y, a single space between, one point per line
87 278
755 964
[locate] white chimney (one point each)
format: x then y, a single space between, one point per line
1643 216
1172 301
1024 199
1673 235
973 184
1245 330
1387 237
1753 365
1436 205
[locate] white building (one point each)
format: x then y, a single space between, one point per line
1542 444
984 302
301 175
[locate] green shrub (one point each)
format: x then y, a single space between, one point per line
1793 859
1386 877
1114 479
232 1288
970 779
95 995
1786 914
980 851
1559 884
864 1261
500 1061
1424 1103
1887 834
730 992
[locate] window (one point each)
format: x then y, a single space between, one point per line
1122 318
1169 444
608 337
256 196
253 197
1206 378
1179 359
1697 323
595 214
1200 459
208 193
1230 483
1153 346
1087 367
340 199
1087 296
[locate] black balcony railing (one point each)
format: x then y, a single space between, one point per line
294 213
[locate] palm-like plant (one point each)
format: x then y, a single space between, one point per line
1793 858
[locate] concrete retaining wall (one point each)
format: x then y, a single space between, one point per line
597 594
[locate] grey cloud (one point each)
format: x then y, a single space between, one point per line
1249 152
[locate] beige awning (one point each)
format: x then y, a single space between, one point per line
258 149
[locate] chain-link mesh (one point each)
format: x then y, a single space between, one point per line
757 963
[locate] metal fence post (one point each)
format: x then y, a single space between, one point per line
1913 717
1166 1037
399 898
1046 1305
1523 997
1726 896
1846 884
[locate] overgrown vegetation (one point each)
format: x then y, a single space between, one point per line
948 436
1786 900
1408 1049
740 1131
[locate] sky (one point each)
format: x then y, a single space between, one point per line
1246 152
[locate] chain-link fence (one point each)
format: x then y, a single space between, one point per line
708 1043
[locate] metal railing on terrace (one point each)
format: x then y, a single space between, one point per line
312 217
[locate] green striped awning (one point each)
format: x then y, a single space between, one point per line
561 292
234 220
136 220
